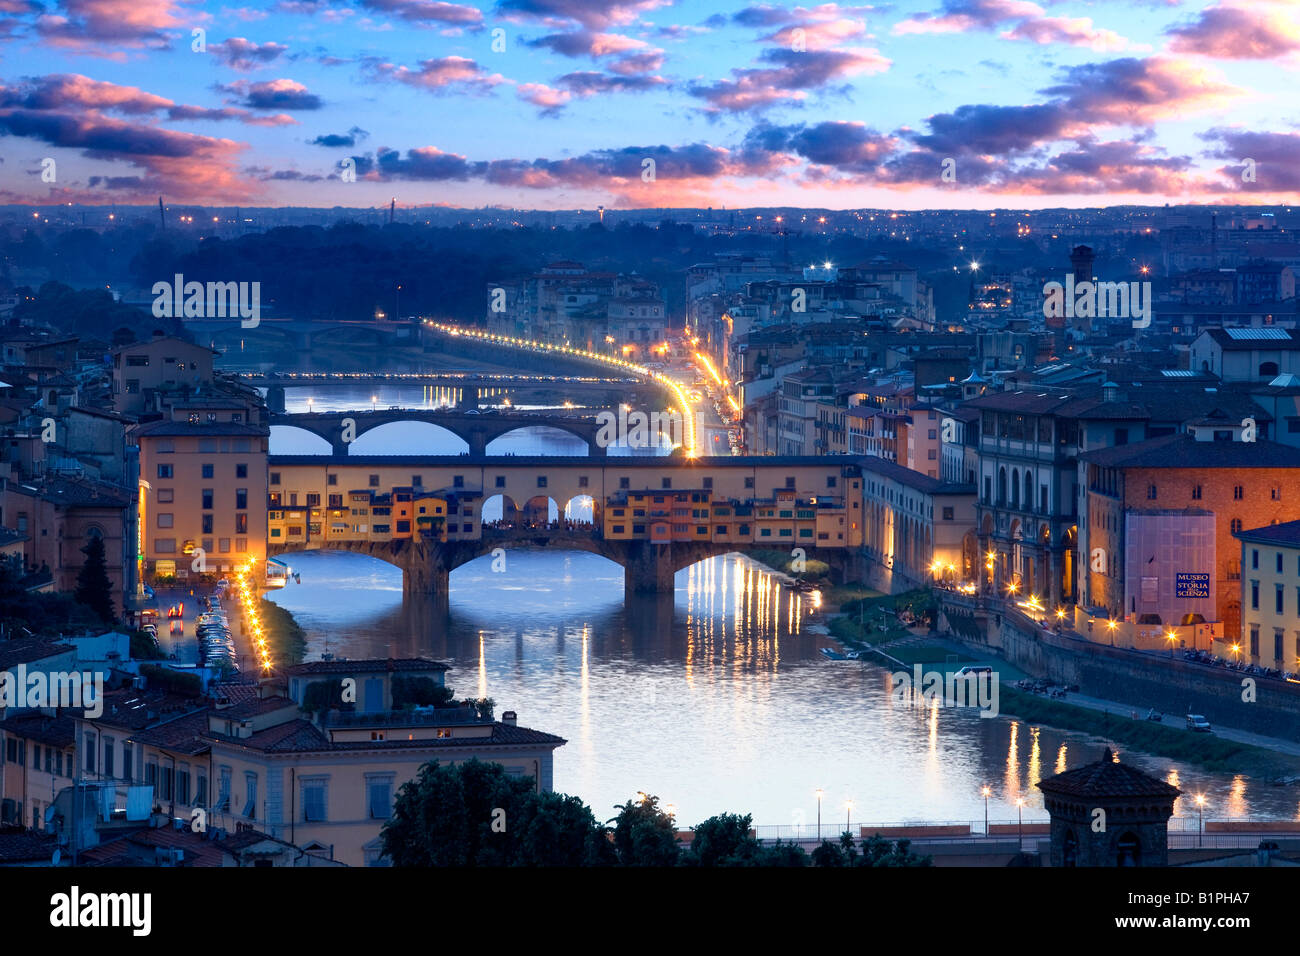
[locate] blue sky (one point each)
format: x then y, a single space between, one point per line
559 103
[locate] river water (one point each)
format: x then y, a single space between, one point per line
715 699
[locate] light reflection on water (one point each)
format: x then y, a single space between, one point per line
717 700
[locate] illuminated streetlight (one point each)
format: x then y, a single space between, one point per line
819 813
1020 824
1200 818
986 792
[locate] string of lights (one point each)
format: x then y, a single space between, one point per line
688 416
248 598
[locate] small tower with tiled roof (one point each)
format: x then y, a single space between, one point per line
1108 814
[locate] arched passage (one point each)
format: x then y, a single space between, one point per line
581 510
499 510
539 511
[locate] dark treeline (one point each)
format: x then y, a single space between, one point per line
475 814
350 270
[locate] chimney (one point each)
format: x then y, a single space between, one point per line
510 718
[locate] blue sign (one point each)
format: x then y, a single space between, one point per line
1188 585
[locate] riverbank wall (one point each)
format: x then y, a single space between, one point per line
1174 687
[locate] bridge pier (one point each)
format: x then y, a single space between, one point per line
648 568
339 446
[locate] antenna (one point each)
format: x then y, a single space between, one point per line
162 213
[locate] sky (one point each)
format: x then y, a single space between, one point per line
565 104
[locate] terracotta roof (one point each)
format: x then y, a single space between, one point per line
20 845
1106 778
26 650
83 492
1286 534
55 731
232 691
1184 451
183 735
303 736
137 710
253 706
282 738
174 429
199 850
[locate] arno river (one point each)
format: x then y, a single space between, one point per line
716 700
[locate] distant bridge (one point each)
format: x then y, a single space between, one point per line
302 335
475 429
468 388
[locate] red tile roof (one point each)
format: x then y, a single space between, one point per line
1105 778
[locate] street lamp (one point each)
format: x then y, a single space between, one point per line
986 791
1171 636
819 814
848 809
1020 824
1110 626
1200 818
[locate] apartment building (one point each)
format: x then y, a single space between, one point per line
203 486
249 758
916 529
1157 515
1270 596
59 515
145 372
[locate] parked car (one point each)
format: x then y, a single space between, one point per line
1198 723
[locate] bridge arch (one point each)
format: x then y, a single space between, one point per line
517 439
297 440
411 436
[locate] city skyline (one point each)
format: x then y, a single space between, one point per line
1064 104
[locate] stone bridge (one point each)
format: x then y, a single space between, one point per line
649 567
475 429
471 389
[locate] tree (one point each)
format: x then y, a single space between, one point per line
94 589
644 835
722 840
827 854
876 851
476 814
560 830
419 692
